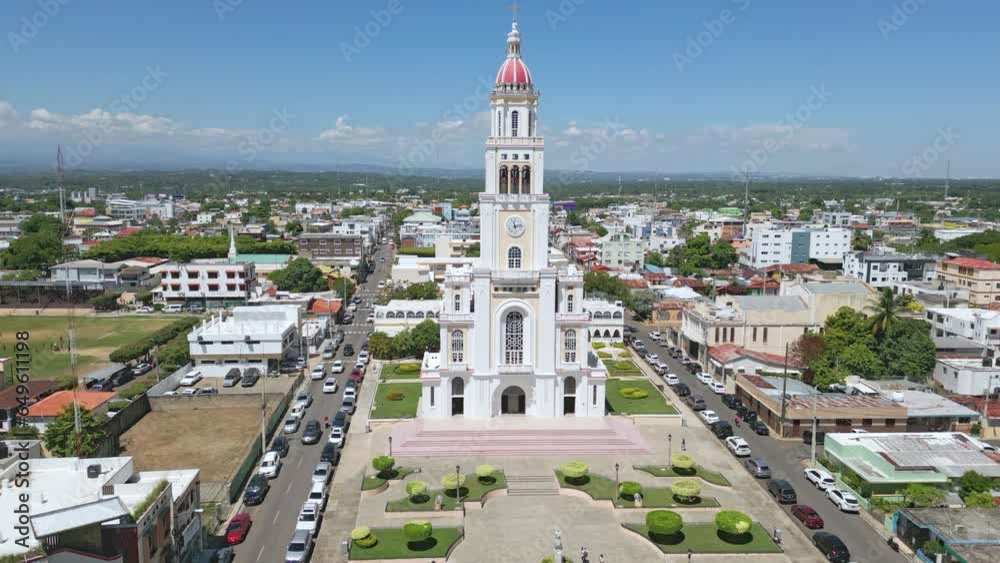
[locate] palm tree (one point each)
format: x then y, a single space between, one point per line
885 312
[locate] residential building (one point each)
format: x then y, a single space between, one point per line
102 510
968 376
258 337
141 210
45 411
12 398
933 294
834 218
980 277
331 247
885 270
978 325
127 275
620 250
607 320
401 314
213 283
968 535
774 245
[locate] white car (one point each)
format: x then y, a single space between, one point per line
270 465
738 446
192 377
304 398
655 335
364 357
361 365
319 495
671 379
717 388
190 391
381 284
708 416
337 367
318 372
844 500
705 378
297 412
652 358
821 479
858 431
371 317
352 307
337 436
309 518
322 473
330 385
351 391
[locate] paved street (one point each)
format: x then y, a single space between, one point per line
274 519
786 460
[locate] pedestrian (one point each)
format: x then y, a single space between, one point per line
326 422
690 553
738 421
684 445
601 559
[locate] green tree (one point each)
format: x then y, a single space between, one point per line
34 251
106 302
293 228
858 359
861 241
299 276
885 312
641 303
923 496
908 350
722 254
974 482
656 259
980 500
425 337
61 439
473 250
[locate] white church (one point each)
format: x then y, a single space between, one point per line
514 333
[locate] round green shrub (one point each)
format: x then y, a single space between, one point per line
408 368
625 365
416 488
395 395
452 481
366 543
628 489
686 489
604 355
682 461
360 532
664 522
633 393
383 464
484 471
418 530
733 522
575 469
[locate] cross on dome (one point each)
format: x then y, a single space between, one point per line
514 72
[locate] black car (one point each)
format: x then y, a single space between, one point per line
342 420
364 346
256 490
330 454
682 389
722 429
312 433
832 547
807 437
348 349
759 428
731 401
782 491
250 377
280 444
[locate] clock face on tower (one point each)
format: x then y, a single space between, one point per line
515 226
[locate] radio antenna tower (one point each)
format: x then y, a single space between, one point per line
746 195
947 180
71 315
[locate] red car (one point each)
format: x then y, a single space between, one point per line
807 516
357 375
238 527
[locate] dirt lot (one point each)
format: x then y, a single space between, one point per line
213 440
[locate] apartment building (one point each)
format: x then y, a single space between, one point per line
330 247
215 284
139 211
620 250
775 244
980 277
885 270
258 337
978 325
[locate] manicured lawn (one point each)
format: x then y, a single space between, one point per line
653 403
706 538
603 488
700 472
472 491
398 371
392 544
622 368
619 345
403 408
374 481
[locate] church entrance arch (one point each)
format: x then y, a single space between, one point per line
512 400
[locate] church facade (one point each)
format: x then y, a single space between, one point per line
514 333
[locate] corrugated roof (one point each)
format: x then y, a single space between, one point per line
53 405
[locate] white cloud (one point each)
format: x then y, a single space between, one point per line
7 113
347 134
787 136
572 130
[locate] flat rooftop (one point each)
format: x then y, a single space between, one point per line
966 525
950 453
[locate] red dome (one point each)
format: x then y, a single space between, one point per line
514 71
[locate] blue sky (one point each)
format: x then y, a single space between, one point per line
194 80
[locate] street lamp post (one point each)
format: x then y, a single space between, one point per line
670 447
458 481
390 446
616 484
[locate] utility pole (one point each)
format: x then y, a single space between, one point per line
784 389
746 196
947 180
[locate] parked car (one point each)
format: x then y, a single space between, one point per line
671 379
328 352
237 529
256 490
337 367
309 517
370 318
351 390
844 500
207 391
717 388
300 548
682 390
270 465
758 468
704 377
832 547
318 494
330 454
738 446
348 319
348 350
281 445
381 284
807 437
300 363
782 491
709 416
654 335
322 473
820 479
360 366
341 420
357 375
348 405
330 385
297 412
722 429
190 378
318 372
759 428
652 358
363 356
809 517
337 436
291 425
303 397
696 402
232 378
141 368
250 377
312 432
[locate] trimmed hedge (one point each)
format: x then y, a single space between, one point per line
485 471
453 481
136 350
664 522
421 251
416 489
408 368
686 489
360 532
633 393
418 530
363 537
628 489
683 461
383 464
733 522
575 469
